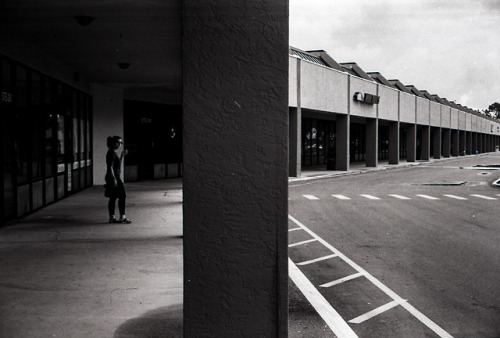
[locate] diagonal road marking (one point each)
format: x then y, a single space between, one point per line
428 197
311 197
456 197
341 197
341 280
303 242
317 260
375 312
370 197
484 197
417 314
400 197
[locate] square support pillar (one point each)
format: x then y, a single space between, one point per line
436 142
475 145
295 142
235 184
446 142
342 140
481 143
411 143
425 153
462 142
454 142
393 142
468 142
371 142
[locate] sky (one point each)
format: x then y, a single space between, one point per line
448 47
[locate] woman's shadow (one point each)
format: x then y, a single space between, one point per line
162 322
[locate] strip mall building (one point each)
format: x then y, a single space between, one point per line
340 114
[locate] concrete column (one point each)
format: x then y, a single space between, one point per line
468 142
371 142
436 140
342 146
235 101
475 146
393 142
295 142
411 143
481 143
446 142
454 142
425 154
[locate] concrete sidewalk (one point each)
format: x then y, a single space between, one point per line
66 272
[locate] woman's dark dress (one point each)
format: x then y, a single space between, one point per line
113 161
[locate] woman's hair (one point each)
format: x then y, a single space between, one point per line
112 140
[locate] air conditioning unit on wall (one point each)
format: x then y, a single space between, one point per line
366 98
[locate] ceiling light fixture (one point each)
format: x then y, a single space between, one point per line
123 65
84 20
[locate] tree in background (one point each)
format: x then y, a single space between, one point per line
494 110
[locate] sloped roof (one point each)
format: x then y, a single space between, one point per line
428 95
353 69
380 79
326 58
396 83
414 90
307 56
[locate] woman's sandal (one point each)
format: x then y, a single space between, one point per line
125 220
113 220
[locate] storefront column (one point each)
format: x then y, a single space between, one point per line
468 142
371 142
393 142
235 184
475 146
454 142
342 146
425 154
295 142
462 143
481 143
411 143
446 142
436 142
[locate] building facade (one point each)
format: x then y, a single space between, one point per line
340 114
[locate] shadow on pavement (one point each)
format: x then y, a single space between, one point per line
162 322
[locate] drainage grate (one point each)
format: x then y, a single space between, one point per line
441 184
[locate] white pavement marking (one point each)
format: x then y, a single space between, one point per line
400 197
456 197
331 317
484 197
370 197
311 197
294 229
341 280
375 312
428 197
417 314
303 242
341 197
317 260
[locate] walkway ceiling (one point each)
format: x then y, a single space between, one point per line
146 34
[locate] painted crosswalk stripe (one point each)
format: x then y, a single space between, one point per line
428 197
456 197
400 197
311 197
484 197
375 312
317 259
303 242
370 197
341 197
341 280
294 229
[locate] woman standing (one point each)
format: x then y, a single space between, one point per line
114 189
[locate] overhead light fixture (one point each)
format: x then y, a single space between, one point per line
84 20
123 65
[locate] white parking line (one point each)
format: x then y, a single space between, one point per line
341 197
428 197
331 317
417 314
311 197
375 312
303 242
484 197
317 259
401 197
294 229
456 197
341 280
370 197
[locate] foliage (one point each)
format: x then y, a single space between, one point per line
493 110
